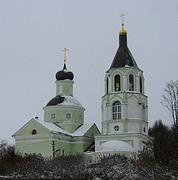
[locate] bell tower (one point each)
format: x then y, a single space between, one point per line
124 104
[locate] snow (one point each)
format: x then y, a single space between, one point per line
54 128
70 101
116 146
127 65
82 130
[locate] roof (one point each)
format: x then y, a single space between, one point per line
123 57
56 100
64 100
116 145
52 127
56 129
81 131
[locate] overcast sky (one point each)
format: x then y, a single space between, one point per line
33 32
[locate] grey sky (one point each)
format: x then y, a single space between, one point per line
33 32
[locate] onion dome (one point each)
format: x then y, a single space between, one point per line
123 57
64 74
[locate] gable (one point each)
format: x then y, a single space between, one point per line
92 131
29 127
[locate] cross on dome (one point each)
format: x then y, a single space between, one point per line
64 73
122 16
122 31
65 54
65 57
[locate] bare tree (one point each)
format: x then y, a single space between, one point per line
170 101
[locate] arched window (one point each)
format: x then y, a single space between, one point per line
107 83
131 82
143 112
144 129
117 83
34 132
141 87
116 110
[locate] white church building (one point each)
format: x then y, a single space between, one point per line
124 115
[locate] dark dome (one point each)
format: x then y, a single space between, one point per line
123 58
64 74
56 100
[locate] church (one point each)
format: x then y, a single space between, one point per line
63 130
124 115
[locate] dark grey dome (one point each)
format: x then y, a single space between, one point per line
56 100
123 58
64 74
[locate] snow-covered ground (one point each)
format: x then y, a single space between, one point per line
114 167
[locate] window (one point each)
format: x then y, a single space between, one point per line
116 128
143 112
141 85
53 116
144 130
131 82
117 85
68 115
107 83
34 132
116 110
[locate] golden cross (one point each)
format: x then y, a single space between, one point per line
65 54
122 16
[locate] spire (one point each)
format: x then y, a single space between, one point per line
65 57
122 33
123 57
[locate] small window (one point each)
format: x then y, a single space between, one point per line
141 88
131 82
68 116
117 83
53 116
116 128
34 132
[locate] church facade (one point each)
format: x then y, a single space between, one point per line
124 115
63 130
